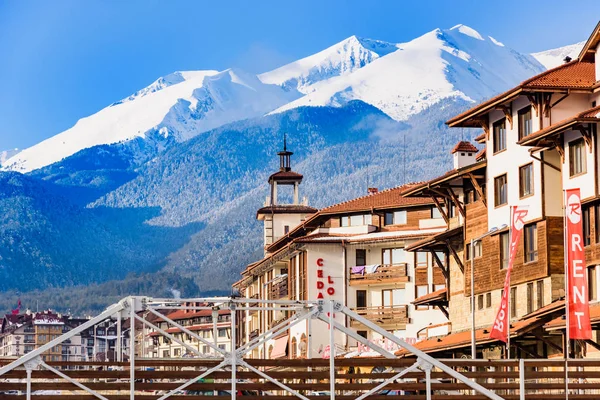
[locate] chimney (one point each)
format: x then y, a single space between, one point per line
372 190
464 154
567 59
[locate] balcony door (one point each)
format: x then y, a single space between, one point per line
361 298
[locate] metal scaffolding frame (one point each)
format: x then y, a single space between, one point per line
131 307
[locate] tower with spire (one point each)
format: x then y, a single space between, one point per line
278 217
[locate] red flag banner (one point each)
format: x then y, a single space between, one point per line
500 327
579 308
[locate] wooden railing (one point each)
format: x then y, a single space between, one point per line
509 379
254 296
383 315
383 274
279 289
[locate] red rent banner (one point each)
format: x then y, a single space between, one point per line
500 327
579 310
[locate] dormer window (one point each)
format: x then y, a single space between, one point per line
525 122
356 220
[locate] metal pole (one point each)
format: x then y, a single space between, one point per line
522 379
28 383
566 263
233 353
331 352
473 345
508 295
215 315
119 333
428 380
132 348
94 355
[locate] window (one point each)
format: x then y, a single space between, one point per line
504 249
421 259
592 284
223 347
500 190
513 302
526 180
362 333
222 332
531 245
166 354
361 257
393 256
439 287
395 218
540 294
286 229
176 352
205 349
356 220
421 290
361 298
488 300
587 232
480 302
499 135
577 163
468 196
529 298
435 213
525 122
469 251
393 297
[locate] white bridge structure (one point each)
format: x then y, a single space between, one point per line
79 380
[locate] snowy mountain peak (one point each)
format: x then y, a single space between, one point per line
554 57
342 58
467 30
6 154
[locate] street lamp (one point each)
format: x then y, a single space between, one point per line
473 241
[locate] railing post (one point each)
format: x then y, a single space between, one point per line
427 367
234 353
131 348
29 366
331 351
522 379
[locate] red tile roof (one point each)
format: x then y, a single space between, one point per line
433 297
389 198
560 322
480 138
481 155
283 175
464 145
186 314
589 115
572 75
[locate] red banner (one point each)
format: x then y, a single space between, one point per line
579 309
500 327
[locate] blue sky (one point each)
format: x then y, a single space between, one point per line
63 60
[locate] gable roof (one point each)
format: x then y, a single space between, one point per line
590 45
574 75
464 145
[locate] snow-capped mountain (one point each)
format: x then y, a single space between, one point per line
182 104
6 154
453 63
340 59
554 57
399 79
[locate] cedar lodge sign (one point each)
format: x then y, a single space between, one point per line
324 283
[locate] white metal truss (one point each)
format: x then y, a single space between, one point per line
135 308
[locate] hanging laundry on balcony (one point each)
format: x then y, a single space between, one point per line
369 269
358 270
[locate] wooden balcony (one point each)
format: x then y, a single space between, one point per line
385 274
384 315
279 289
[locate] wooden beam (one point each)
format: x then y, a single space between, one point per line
486 128
547 106
478 189
507 113
534 103
593 344
440 265
455 256
457 203
523 349
440 209
444 310
548 342
558 145
586 132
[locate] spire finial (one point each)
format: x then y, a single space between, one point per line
284 141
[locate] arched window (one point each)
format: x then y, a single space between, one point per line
294 351
303 346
